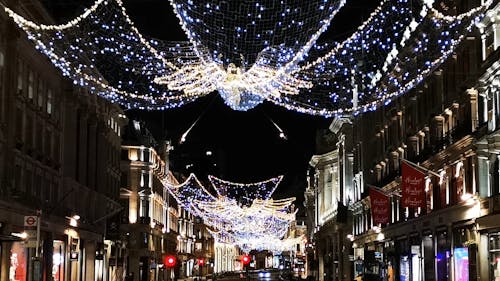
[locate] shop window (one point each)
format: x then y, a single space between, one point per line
18 267
443 256
494 252
464 252
415 257
58 260
428 257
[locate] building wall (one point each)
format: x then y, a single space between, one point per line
149 221
59 157
332 189
447 125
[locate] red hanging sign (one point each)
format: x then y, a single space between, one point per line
412 187
380 206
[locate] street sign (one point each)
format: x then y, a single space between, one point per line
31 234
30 243
30 221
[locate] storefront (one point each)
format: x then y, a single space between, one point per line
443 244
428 256
18 267
58 258
494 255
402 265
464 253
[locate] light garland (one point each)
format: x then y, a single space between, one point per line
249 58
244 215
245 193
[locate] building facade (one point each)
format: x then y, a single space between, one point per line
150 221
447 129
330 190
59 164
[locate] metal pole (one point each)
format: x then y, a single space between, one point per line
38 217
422 168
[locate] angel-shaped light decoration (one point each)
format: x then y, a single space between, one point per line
255 51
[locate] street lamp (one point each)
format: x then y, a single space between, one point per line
73 220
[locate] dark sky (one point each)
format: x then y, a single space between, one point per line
245 146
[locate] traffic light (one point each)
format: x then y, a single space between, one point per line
246 259
170 261
201 262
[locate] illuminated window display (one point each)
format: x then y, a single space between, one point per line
461 256
58 261
18 266
404 269
494 248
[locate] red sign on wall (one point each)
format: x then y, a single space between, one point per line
380 206
412 187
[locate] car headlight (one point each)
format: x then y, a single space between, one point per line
261 274
267 274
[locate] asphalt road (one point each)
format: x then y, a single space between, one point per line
259 275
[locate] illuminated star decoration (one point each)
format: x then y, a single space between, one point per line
244 215
252 51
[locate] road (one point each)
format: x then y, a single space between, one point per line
257 275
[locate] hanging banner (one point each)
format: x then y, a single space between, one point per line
380 206
412 186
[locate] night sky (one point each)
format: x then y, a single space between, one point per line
245 146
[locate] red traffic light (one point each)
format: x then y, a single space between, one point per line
201 262
170 261
245 259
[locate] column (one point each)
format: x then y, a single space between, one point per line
483 176
472 93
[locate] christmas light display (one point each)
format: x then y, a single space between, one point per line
240 214
245 193
252 51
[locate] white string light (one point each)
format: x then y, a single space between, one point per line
243 53
244 215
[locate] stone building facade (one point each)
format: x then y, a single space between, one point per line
59 163
447 128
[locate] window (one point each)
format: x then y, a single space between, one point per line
49 101
29 179
37 192
39 137
29 132
20 76
40 93
48 143
31 84
18 177
19 125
